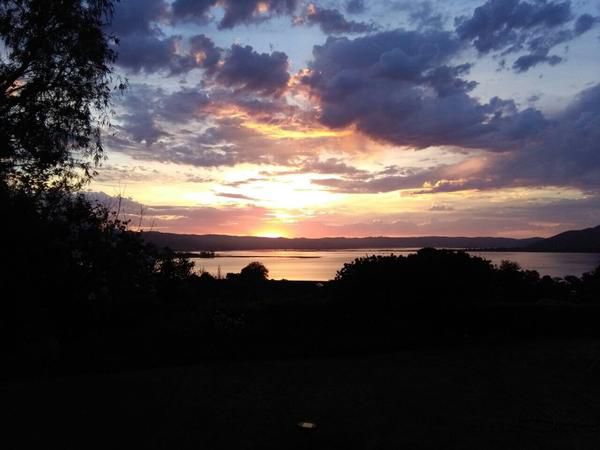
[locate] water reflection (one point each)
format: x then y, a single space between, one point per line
323 265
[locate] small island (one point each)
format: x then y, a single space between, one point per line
201 254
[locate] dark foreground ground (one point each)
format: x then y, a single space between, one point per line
527 394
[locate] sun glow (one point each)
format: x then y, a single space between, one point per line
270 233
277 132
262 7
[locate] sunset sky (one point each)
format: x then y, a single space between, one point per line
357 118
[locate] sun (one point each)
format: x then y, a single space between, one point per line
270 233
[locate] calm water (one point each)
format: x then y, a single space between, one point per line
322 265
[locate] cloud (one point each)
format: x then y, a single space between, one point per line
143 46
205 52
526 62
230 219
183 105
235 196
511 26
138 17
331 21
422 14
142 109
585 22
193 10
148 53
137 118
565 153
401 87
236 12
498 24
210 128
249 71
355 7
316 165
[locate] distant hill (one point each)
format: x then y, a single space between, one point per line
587 240
215 242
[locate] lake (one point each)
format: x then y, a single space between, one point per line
323 265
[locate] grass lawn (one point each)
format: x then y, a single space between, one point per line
542 394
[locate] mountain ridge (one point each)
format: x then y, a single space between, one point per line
585 240
217 242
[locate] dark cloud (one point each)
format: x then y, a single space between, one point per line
179 107
565 153
536 27
400 87
248 11
355 6
142 46
526 62
148 53
236 12
138 17
498 24
331 21
249 71
137 117
585 22
193 10
142 128
204 51
183 105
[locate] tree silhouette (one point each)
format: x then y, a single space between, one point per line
56 83
255 271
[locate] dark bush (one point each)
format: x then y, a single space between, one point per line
430 276
254 272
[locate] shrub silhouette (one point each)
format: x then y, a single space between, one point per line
430 276
514 284
254 272
590 286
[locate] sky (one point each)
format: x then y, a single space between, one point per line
356 118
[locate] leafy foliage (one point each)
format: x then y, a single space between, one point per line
56 83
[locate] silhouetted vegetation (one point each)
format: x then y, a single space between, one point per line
433 277
83 292
69 268
439 277
254 272
56 81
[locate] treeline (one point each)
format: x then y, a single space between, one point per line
452 277
89 295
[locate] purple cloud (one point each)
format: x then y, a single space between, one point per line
511 26
331 21
249 71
